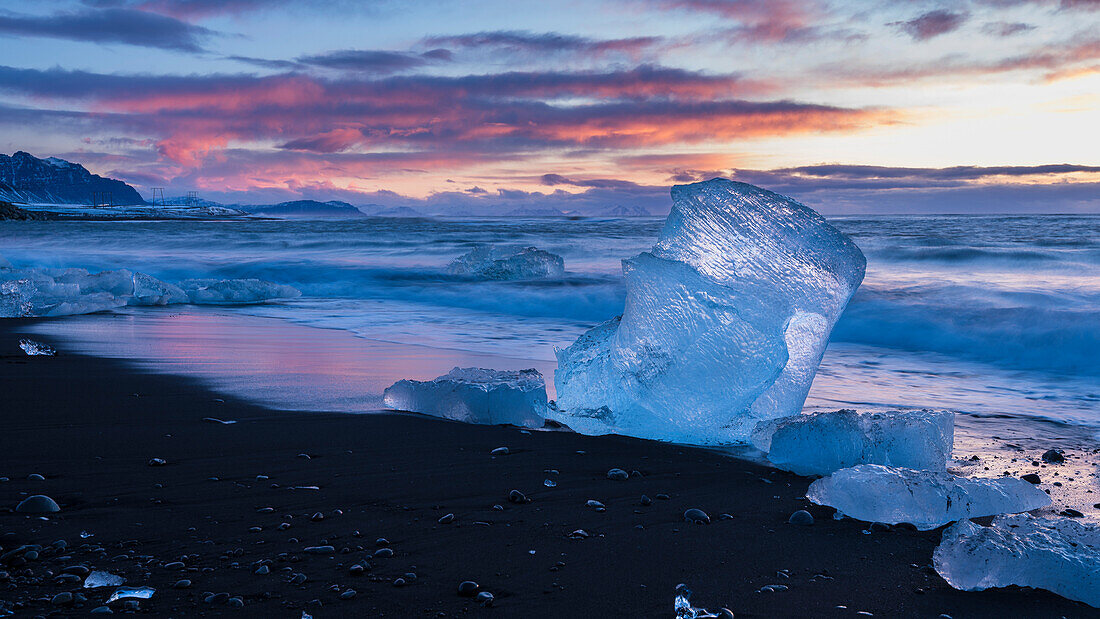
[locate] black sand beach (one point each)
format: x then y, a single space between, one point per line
91 426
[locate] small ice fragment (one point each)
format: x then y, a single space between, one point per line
683 607
134 593
507 263
34 349
86 535
549 483
475 395
102 579
925 499
305 487
224 422
1056 554
821 443
725 322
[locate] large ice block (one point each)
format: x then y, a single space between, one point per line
820 443
925 499
475 395
507 263
1056 554
725 321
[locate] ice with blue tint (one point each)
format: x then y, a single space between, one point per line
35 349
507 263
27 292
1056 554
725 323
820 443
924 499
475 395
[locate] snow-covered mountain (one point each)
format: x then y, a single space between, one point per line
309 209
626 211
26 178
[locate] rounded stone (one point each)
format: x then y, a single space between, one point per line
348 594
618 475
485 598
62 599
697 516
801 517
37 504
1054 456
467 588
517 497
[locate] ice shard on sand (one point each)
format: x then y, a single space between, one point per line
475 395
726 320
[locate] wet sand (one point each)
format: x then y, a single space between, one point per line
90 426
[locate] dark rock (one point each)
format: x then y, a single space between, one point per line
449 518
37 504
499 451
175 566
1054 456
1031 478
1071 513
235 602
320 550
646 500
801 517
485 598
182 584
697 516
467 588
517 497
618 475
62 599
348 594
383 553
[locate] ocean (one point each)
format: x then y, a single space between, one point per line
995 317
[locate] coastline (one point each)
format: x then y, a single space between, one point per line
90 426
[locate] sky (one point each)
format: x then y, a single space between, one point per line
860 106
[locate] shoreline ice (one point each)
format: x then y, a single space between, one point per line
475 395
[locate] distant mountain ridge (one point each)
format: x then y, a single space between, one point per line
308 208
26 178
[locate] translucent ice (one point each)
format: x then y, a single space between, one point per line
132 593
925 499
725 321
475 395
28 292
820 443
233 291
1059 555
682 605
33 348
102 579
507 263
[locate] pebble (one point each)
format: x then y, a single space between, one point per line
318 517
725 613
356 570
772 588
1071 513
102 610
157 462
618 475
62 599
174 566
263 570
37 504
235 602
384 553
596 505
801 517
697 516
517 497
485 598
36 477
467 588
399 582
1054 456
499 451
663 497
348 594
448 519
320 550
646 500
182 584
1031 478
381 542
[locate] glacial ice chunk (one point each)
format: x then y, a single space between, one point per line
235 291
1056 554
925 499
34 349
475 395
102 579
725 323
26 292
131 593
507 263
821 443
